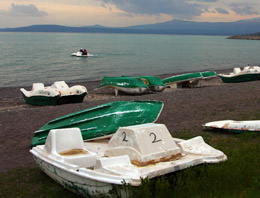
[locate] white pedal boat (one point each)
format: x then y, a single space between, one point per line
134 152
59 92
235 126
74 94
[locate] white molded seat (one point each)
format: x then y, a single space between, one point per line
68 145
37 86
236 70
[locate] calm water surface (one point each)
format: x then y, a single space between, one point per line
45 57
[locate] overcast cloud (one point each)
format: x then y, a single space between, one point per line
178 8
24 10
123 12
244 8
185 9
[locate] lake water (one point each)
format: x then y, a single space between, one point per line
45 57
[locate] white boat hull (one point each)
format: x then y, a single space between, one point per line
235 126
74 181
106 164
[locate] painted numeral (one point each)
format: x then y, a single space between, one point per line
154 138
124 137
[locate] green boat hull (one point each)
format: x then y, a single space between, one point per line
104 119
153 82
72 98
240 78
182 78
127 82
41 100
209 74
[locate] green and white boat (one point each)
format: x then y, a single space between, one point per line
154 83
183 80
189 79
40 95
74 94
58 93
249 73
104 119
129 85
209 74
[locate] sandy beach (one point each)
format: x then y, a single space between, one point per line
184 110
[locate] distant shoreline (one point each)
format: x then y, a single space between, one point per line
244 37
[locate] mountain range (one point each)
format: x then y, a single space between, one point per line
170 27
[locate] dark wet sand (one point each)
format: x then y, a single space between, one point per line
184 110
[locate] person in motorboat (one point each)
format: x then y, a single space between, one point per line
81 50
84 52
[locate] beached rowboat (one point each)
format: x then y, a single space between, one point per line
235 126
104 119
189 79
135 152
125 84
153 82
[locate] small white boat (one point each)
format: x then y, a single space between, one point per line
59 92
235 126
134 152
40 95
74 94
79 54
249 73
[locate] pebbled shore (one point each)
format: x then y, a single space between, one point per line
184 110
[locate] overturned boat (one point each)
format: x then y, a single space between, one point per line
153 82
104 119
133 153
125 84
249 73
234 126
189 79
59 92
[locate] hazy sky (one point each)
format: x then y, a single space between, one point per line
118 13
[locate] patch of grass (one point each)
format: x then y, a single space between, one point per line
31 182
239 176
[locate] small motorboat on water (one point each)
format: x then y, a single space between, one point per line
94 168
248 73
103 120
234 126
58 93
81 53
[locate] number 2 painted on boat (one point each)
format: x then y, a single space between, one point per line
154 138
124 137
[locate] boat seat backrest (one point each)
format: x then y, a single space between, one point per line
236 70
60 85
37 86
77 89
246 68
67 144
